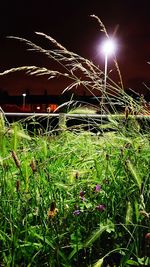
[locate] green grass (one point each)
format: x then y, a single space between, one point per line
76 198
72 199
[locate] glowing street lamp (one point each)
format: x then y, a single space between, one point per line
108 49
24 100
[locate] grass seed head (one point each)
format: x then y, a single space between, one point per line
18 185
33 165
15 158
126 113
144 214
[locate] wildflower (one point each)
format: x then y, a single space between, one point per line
52 212
101 207
97 188
76 212
16 160
82 195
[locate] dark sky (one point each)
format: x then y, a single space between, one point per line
69 22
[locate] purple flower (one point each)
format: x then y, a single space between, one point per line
97 188
101 207
81 194
76 212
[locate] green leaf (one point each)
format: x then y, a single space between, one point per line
75 250
98 263
109 227
20 134
144 260
132 262
44 239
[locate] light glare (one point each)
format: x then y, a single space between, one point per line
109 47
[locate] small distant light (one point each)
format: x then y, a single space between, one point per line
24 94
38 107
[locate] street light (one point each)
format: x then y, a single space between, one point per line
108 49
24 100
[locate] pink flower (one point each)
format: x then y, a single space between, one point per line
97 188
82 195
101 207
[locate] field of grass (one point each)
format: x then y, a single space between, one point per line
75 198
71 197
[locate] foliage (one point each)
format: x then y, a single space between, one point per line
74 198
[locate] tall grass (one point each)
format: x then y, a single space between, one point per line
71 199
82 73
76 198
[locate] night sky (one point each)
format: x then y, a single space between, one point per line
69 22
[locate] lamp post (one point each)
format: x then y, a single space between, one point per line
24 100
108 49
